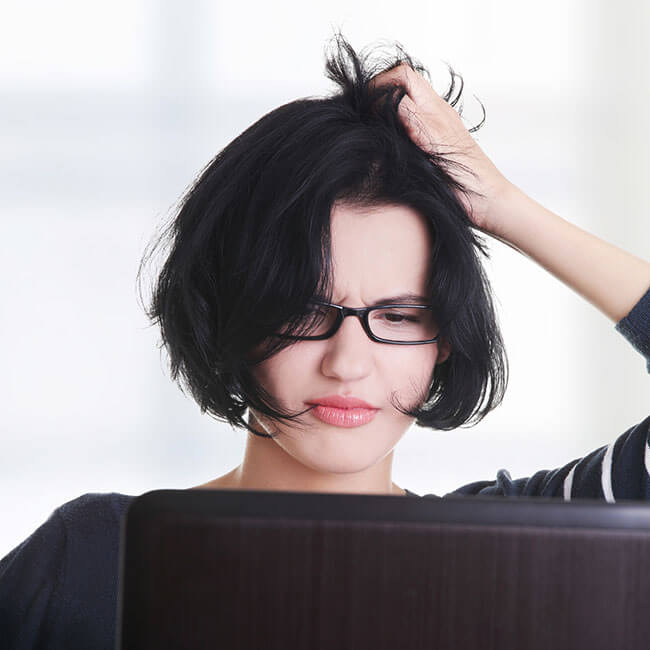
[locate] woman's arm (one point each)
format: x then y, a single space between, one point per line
609 278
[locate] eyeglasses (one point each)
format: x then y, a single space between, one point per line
395 324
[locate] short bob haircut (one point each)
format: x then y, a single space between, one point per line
249 248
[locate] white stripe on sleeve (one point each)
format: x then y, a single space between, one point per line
606 474
647 457
568 482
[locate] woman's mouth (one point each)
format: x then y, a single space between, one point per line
344 417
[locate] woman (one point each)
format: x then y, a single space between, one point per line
364 204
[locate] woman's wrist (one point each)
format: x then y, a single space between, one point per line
503 213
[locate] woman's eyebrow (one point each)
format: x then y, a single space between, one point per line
410 298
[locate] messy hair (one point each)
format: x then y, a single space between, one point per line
249 247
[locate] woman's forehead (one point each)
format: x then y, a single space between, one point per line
384 247
395 223
377 252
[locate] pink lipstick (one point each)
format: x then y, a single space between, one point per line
343 411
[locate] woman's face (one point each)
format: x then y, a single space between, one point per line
377 252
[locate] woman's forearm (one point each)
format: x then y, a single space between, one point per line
609 278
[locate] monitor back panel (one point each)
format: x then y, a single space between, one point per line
256 570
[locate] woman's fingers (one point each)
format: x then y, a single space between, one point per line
422 135
417 87
432 123
421 98
436 128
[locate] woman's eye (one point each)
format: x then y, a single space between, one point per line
399 318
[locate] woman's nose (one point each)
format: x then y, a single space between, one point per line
348 353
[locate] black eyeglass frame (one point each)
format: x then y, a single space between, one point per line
362 314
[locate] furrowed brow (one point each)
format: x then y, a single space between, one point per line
404 298
409 298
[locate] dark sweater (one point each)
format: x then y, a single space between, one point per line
58 588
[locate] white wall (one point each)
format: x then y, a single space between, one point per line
110 110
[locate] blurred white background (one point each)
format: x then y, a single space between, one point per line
109 110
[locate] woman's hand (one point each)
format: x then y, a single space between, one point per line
609 278
436 127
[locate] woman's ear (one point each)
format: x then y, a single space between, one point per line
444 350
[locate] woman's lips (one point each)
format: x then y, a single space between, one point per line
352 417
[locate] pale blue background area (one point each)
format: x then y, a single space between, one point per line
109 110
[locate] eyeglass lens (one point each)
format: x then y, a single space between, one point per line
389 323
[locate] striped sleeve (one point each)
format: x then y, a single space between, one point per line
618 471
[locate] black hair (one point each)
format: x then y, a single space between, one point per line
249 248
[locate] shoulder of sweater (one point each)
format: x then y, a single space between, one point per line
91 508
